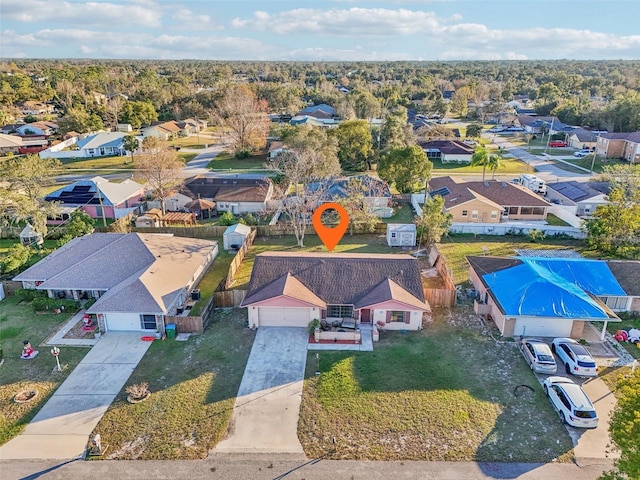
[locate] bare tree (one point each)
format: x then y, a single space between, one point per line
245 118
310 158
159 167
359 204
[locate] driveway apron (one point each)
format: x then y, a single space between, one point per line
62 427
265 415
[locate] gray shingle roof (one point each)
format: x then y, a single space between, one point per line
337 279
627 273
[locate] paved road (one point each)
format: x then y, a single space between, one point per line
62 427
262 467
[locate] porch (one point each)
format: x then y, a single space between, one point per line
339 338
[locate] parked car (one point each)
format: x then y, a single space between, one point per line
538 355
571 403
575 357
514 128
582 153
557 143
495 129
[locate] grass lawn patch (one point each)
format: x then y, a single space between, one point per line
187 157
628 322
455 248
508 165
369 243
18 322
193 387
226 161
556 221
113 163
460 397
210 281
402 213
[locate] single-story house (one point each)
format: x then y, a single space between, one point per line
448 151
31 107
319 111
625 146
37 128
137 279
314 121
488 202
291 289
176 202
275 149
98 197
584 196
10 143
235 235
236 194
377 195
547 297
401 234
102 144
627 273
538 125
582 138
163 130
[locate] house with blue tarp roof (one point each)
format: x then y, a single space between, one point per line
547 297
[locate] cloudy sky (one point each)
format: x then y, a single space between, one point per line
321 30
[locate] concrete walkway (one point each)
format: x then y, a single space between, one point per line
265 415
62 427
58 337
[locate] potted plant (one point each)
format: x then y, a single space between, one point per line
314 329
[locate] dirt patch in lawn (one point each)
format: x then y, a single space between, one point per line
449 392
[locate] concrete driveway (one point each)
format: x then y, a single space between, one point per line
265 415
62 427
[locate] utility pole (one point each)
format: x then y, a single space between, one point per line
104 218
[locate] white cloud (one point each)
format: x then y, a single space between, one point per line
142 14
190 21
345 55
351 22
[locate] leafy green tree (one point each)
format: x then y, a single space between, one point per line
79 120
80 224
482 158
407 168
130 143
434 223
17 256
494 162
358 207
138 114
474 130
355 145
395 131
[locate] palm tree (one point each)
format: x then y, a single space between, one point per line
494 162
480 157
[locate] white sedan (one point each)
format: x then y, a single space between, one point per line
575 357
571 403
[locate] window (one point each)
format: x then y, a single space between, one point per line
494 214
464 213
538 210
393 234
526 211
615 303
148 322
513 210
397 317
340 311
474 213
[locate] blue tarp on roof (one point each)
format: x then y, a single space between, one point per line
548 287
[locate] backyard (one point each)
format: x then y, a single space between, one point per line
193 387
461 397
19 322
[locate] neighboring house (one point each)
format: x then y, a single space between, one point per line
104 144
547 297
176 202
37 128
291 289
581 138
163 130
235 194
314 121
234 236
448 151
100 198
319 111
10 144
627 273
35 108
137 279
585 197
488 202
625 146
401 234
191 126
275 149
538 125
376 193
10 128
124 127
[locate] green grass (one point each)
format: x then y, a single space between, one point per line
628 323
113 163
18 322
509 165
38 254
212 278
403 213
454 401
226 161
455 248
193 386
555 221
370 243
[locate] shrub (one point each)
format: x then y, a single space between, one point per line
27 295
536 235
249 219
314 325
227 218
138 390
240 154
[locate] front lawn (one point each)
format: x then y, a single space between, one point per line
18 322
447 393
628 322
507 166
227 161
193 387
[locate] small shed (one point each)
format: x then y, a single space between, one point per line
401 234
234 236
202 208
151 218
29 237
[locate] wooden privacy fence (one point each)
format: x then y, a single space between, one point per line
237 260
441 297
228 298
186 324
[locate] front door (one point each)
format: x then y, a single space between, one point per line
365 316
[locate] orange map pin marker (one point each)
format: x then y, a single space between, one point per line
330 236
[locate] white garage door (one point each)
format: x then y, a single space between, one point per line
284 317
122 322
548 327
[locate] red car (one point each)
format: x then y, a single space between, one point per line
557 143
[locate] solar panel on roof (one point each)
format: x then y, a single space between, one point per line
444 191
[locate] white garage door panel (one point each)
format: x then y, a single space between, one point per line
284 317
548 327
122 322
